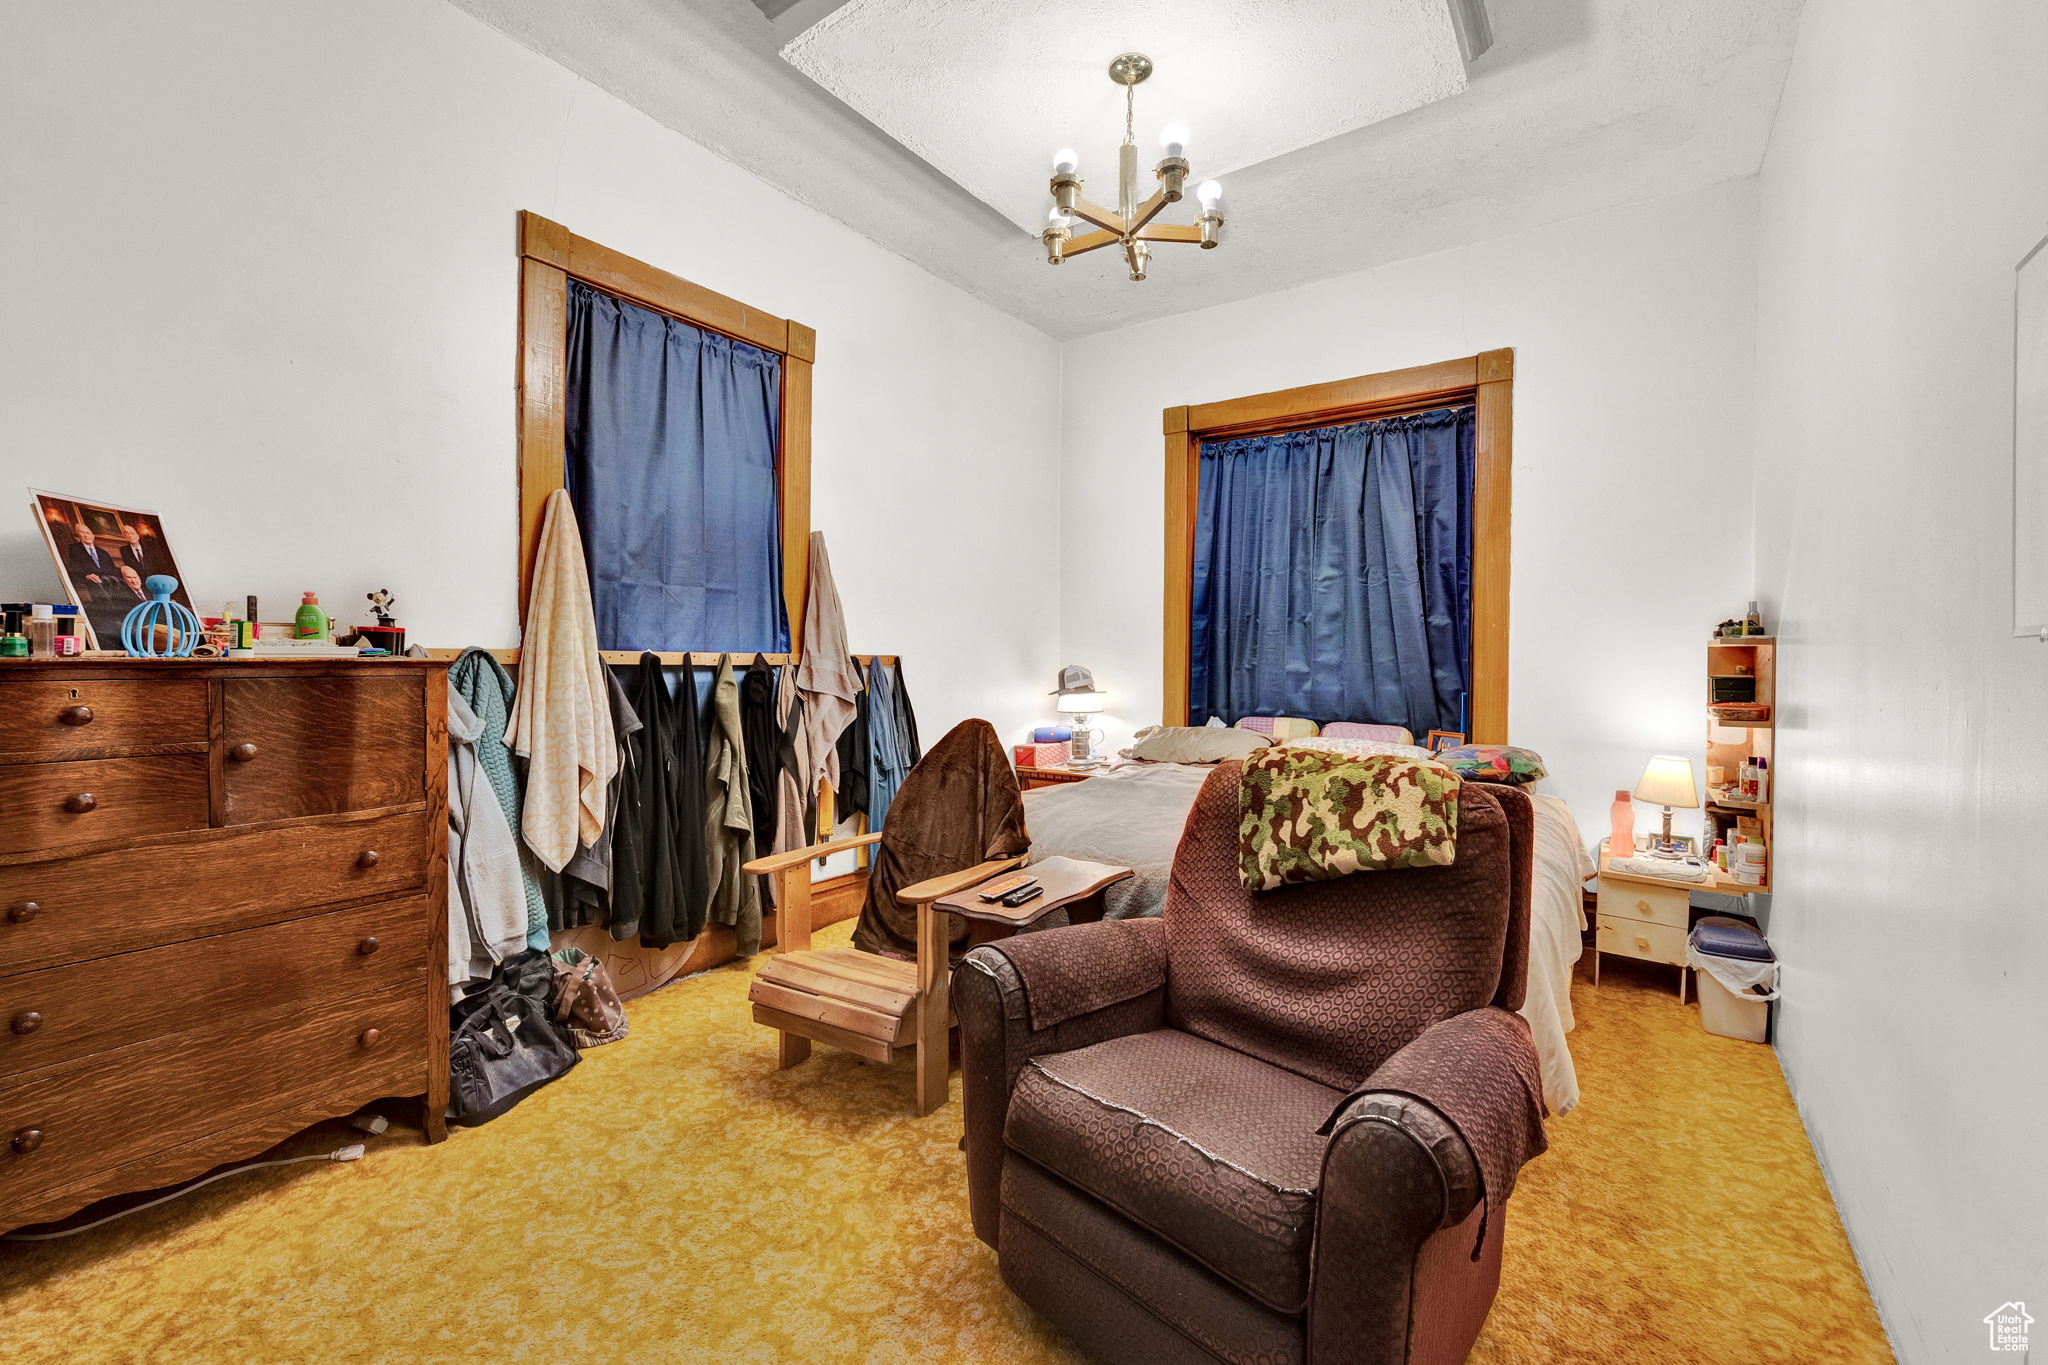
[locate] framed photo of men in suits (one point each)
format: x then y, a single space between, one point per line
104 555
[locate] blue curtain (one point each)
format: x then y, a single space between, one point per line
670 441
1333 574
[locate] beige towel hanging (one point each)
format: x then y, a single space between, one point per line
828 677
561 718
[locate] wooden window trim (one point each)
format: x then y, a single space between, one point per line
1486 380
549 257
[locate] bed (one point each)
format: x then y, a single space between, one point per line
1133 815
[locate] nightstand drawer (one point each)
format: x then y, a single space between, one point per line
1653 904
1641 939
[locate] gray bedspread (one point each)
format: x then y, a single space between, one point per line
1129 816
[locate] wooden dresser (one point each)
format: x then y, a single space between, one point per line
222 901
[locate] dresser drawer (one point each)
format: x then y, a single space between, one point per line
95 800
65 1013
65 1125
322 745
63 909
83 717
1639 938
1653 904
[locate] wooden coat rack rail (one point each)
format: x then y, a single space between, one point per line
510 657
827 817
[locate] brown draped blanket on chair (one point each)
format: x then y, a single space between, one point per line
959 806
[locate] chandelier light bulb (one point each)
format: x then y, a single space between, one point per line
1210 193
1066 161
1058 221
1174 138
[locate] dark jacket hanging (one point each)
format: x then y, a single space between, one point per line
764 761
687 831
583 890
621 920
757 726
660 885
636 878
906 722
854 757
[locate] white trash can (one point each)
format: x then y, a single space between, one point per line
1738 977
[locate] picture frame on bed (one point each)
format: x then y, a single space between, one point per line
1440 741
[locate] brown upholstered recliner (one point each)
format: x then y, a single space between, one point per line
1273 1127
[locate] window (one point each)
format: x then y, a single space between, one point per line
1484 382
563 276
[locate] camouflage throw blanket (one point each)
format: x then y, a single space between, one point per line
1310 815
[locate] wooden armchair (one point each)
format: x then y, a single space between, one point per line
791 875
864 1003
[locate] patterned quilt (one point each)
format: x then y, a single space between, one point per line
1308 815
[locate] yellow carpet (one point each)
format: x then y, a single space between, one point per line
676 1198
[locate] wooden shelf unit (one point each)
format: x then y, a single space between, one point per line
1730 742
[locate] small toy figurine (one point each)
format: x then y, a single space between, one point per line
179 627
381 603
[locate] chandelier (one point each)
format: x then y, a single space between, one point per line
1130 225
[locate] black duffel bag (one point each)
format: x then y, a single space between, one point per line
504 1047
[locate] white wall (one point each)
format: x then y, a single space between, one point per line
262 279
1904 182
1633 333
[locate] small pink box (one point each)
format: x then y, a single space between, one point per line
1043 755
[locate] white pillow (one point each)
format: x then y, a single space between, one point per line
1359 748
1195 743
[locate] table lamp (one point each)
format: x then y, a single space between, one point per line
1078 696
1667 782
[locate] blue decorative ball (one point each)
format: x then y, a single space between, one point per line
181 627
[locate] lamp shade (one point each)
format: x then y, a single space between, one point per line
1079 703
1668 782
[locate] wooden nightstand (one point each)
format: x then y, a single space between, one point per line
1644 918
1029 778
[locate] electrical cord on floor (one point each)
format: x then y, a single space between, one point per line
353 1152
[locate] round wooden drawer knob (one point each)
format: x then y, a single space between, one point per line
76 715
26 1140
28 1021
1643 906
368 946
23 913
367 858
242 752
1643 943
81 803
371 1037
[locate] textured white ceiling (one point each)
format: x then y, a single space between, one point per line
986 90
1581 105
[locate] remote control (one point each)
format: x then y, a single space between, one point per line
1003 886
1022 895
